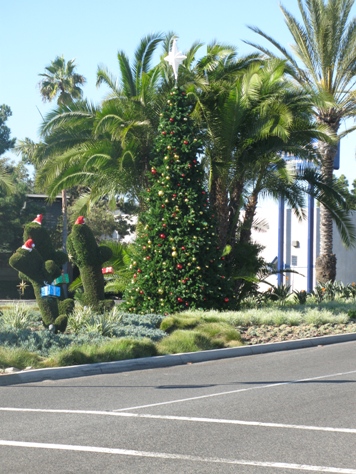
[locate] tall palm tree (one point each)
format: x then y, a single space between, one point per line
323 62
61 81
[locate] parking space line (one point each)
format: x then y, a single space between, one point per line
240 390
183 418
182 457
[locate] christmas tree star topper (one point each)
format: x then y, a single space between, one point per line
175 58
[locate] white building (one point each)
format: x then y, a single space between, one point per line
295 248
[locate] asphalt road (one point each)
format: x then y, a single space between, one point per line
281 412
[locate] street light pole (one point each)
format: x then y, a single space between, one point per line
280 240
310 256
64 238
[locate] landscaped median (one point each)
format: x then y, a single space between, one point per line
114 336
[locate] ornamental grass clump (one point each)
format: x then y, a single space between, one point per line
18 357
181 341
19 316
109 351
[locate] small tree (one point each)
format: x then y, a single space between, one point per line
177 263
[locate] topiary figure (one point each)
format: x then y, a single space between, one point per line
41 266
89 257
35 231
34 269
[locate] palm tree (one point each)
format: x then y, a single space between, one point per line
249 122
108 151
6 182
324 64
61 81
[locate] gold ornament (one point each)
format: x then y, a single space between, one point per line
22 286
174 254
160 193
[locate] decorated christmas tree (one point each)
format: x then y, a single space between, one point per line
178 264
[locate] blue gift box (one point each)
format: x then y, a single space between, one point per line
50 290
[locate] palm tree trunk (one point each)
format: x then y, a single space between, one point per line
219 203
250 210
325 264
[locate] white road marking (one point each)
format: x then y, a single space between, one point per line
260 387
182 457
183 418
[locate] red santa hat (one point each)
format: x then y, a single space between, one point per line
38 219
80 220
28 245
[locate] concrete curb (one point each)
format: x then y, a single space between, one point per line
38 375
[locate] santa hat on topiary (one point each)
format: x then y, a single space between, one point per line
80 220
28 245
38 219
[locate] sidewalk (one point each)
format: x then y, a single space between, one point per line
38 375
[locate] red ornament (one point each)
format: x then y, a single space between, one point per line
180 300
185 142
183 175
172 133
183 248
164 225
163 236
174 195
179 266
171 119
226 300
135 276
163 206
139 270
80 220
148 257
164 133
153 171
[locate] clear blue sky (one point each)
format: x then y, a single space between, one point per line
34 32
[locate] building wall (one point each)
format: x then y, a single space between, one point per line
296 247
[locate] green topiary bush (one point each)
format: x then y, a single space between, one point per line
40 266
89 257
